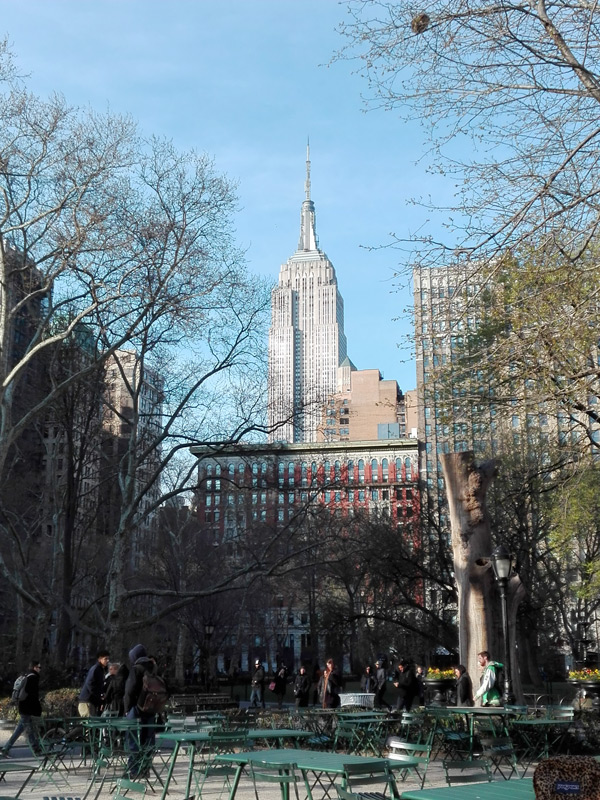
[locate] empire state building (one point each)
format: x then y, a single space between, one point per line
307 343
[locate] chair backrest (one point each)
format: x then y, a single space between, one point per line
284 774
399 750
560 712
368 773
125 788
498 746
467 771
227 741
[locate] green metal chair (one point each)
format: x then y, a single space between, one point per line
375 772
409 757
500 752
467 771
284 774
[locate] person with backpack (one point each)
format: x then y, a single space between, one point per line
145 696
489 688
26 693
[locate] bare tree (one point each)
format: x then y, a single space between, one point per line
508 96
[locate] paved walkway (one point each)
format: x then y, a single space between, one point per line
76 783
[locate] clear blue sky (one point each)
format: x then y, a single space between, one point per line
247 81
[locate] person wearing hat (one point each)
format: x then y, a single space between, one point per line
380 684
257 694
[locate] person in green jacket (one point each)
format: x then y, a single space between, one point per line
489 691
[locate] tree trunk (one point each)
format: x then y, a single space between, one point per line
479 610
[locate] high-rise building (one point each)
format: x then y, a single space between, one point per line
365 407
460 410
307 343
132 423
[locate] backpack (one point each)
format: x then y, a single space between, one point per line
154 695
19 690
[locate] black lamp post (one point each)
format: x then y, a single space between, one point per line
502 566
209 629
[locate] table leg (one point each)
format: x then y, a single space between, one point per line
170 770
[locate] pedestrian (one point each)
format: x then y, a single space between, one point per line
29 707
464 686
301 688
420 676
381 683
405 681
141 664
257 693
367 680
280 681
489 692
330 685
115 689
92 691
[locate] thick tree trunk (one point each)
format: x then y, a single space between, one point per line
479 610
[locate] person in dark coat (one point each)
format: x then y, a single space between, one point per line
115 689
280 680
464 686
140 664
29 707
302 688
257 693
406 682
368 682
380 685
92 691
330 686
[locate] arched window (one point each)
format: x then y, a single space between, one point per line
218 469
351 472
384 469
304 473
209 469
408 466
291 473
327 468
374 470
398 469
338 470
361 471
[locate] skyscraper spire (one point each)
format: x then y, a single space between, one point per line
307 184
308 226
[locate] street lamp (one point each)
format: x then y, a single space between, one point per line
209 629
502 566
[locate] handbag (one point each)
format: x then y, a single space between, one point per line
272 686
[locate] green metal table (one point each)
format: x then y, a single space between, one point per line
325 767
181 738
517 789
539 737
13 766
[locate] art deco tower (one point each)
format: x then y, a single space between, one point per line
306 340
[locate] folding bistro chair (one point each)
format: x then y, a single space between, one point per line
409 757
500 752
284 774
375 772
467 771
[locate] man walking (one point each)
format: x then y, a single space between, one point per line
489 691
92 692
29 707
257 695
